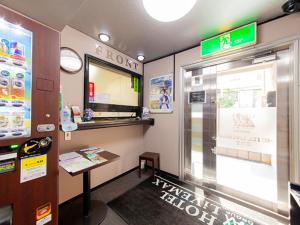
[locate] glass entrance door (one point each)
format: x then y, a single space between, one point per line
237 129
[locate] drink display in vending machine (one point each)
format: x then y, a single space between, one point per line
15 81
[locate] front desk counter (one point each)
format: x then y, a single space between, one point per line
86 211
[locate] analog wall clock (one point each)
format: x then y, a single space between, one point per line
70 60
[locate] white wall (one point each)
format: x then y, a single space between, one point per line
129 142
158 139
163 137
124 141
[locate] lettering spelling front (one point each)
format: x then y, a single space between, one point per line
116 58
200 208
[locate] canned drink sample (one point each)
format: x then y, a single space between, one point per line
4 84
4 50
18 86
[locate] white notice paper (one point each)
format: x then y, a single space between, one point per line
44 220
33 168
76 164
70 155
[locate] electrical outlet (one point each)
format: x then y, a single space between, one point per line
68 136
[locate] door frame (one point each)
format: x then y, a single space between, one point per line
294 92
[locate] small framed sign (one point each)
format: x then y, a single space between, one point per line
197 97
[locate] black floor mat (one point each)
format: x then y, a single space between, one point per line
162 201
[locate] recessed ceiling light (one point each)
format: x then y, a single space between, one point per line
168 10
104 37
141 57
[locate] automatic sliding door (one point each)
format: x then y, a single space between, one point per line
252 132
247 130
237 140
200 161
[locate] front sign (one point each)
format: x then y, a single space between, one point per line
240 37
117 58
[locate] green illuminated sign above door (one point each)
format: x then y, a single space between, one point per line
240 37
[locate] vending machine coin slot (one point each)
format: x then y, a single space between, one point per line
35 147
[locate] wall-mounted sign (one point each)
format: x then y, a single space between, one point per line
161 94
197 97
240 37
116 58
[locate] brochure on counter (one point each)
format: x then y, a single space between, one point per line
73 162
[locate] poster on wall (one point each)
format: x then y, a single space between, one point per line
15 81
161 94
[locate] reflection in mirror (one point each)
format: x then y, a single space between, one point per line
70 61
112 86
111 91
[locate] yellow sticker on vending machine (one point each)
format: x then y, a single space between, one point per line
33 168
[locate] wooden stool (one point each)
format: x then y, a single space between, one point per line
149 156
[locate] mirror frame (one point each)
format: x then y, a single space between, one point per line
102 107
78 56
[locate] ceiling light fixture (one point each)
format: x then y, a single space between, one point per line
141 57
168 10
104 37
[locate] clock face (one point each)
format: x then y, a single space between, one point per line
70 61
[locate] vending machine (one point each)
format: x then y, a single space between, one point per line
29 109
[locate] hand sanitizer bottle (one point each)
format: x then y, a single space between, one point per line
66 115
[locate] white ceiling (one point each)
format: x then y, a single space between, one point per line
134 32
